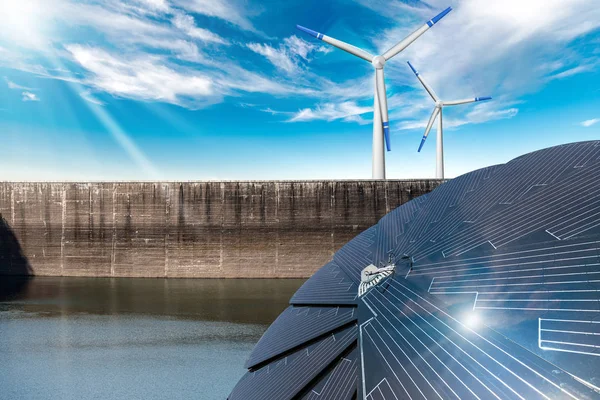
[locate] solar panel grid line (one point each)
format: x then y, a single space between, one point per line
364 240
429 349
443 201
566 347
549 169
591 154
393 370
339 383
306 368
570 189
467 182
489 171
568 160
551 251
471 237
377 390
386 391
329 285
571 336
408 216
531 283
579 221
382 392
458 273
296 326
588 205
413 210
451 221
458 268
541 273
414 352
298 383
436 205
352 261
497 187
544 166
500 185
482 338
345 378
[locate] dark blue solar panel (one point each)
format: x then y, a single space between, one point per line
288 376
329 285
420 350
496 290
296 326
340 383
356 254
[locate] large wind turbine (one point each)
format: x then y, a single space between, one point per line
381 124
437 112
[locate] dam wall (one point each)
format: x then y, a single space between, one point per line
253 229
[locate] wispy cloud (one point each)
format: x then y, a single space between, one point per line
289 54
87 95
143 78
346 111
187 24
12 85
27 92
231 11
590 122
28 96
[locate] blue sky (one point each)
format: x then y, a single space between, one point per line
227 89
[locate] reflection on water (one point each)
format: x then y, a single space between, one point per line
74 338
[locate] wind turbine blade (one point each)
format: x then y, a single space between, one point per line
415 35
434 115
338 43
426 86
465 101
383 107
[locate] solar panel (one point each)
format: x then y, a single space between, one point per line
487 287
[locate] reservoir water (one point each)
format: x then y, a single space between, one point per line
94 338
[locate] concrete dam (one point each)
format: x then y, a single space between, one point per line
234 229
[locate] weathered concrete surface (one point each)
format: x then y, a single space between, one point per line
260 229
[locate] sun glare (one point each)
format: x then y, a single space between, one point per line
23 22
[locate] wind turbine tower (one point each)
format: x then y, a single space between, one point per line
381 125
437 113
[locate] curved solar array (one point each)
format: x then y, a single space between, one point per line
495 294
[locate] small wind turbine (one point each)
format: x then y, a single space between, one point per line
381 125
437 111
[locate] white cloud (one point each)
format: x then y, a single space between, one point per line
278 57
571 71
227 10
289 54
187 24
87 95
141 77
12 85
346 111
590 122
159 5
28 96
302 48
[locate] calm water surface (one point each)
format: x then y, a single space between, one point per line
86 338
